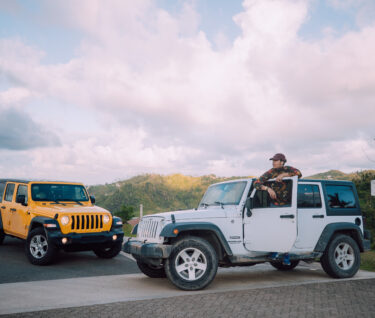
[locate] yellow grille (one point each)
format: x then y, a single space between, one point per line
83 222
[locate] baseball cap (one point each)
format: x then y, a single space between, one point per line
278 156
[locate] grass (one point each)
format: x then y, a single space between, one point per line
368 261
127 229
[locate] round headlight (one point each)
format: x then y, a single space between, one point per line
106 218
65 220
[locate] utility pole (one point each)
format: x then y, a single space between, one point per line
140 211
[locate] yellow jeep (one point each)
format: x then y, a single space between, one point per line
51 215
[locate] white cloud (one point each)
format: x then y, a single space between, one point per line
168 101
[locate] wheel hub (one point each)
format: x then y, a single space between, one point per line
191 264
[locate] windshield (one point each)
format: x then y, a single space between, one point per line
58 192
224 193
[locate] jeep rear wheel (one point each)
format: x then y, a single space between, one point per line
108 252
39 250
152 271
2 236
192 264
342 258
284 267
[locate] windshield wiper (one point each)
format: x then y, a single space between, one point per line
204 204
221 204
77 202
58 202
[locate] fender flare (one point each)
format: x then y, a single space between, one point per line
181 227
43 220
333 228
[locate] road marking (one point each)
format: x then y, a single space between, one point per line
128 256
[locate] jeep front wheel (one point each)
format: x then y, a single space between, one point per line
39 250
152 271
192 264
341 259
284 267
108 252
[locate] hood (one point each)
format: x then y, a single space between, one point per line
215 212
71 208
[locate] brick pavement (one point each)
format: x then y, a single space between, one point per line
354 298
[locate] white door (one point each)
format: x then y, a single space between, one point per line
272 229
311 215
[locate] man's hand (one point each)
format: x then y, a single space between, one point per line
280 177
272 193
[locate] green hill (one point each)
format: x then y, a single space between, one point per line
160 193
157 193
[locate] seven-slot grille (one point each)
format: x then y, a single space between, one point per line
149 228
87 222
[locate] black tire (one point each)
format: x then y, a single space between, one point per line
192 264
151 270
38 248
341 258
108 252
2 236
283 267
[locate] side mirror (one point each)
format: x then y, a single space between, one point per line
21 199
249 206
92 199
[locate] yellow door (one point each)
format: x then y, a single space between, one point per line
20 216
6 206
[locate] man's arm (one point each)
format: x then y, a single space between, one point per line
289 172
259 183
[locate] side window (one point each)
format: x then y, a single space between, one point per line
340 196
2 188
283 192
9 192
22 190
308 196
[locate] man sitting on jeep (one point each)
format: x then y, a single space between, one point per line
278 191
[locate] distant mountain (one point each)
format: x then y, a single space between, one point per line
160 193
332 174
338 175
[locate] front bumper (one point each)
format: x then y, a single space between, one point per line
147 250
86 241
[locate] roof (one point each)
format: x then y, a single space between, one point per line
28 181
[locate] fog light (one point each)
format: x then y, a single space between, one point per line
64 240
114 237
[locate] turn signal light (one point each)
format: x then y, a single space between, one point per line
175 231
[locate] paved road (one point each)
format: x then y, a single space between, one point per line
334 299
15 267
92 287
103 290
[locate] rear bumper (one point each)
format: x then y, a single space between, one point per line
86 241
147 250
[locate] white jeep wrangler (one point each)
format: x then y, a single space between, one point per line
236 225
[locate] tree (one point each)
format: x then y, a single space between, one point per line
125 213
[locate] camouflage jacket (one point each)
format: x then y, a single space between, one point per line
280 188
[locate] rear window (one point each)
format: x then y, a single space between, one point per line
340 197
308 196
9 192
2 187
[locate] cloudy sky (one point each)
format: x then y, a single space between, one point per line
97 91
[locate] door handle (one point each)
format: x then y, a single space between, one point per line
13 209
287 216
318 216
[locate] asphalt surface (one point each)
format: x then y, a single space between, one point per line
15 267
336 299
82 285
